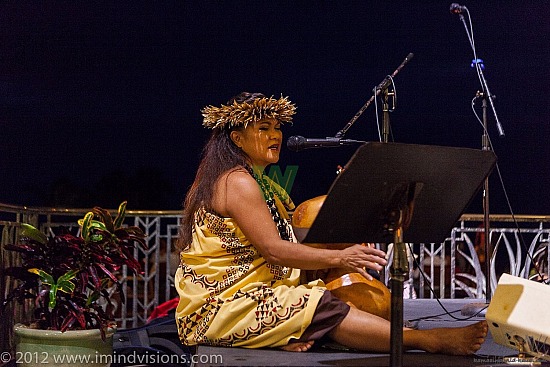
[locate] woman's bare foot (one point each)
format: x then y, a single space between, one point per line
298 347
456 341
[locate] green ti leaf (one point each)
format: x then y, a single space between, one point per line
86 224
31 232
63 283
93 224
121 214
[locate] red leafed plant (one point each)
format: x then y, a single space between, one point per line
73 279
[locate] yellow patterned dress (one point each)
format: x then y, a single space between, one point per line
230 295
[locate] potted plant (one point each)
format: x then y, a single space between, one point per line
73 281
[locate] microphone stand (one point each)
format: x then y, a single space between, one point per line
475 309
479 309
399 267
400 262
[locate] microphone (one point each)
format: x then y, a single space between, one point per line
457 8
297 143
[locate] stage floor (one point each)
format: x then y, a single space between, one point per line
432 314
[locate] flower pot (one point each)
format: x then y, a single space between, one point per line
35 347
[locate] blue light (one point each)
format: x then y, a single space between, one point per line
477 61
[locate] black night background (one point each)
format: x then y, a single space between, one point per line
100 103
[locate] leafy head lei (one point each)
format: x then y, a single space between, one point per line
254 108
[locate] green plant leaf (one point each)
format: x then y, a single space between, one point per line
121 214
44 277
63 283
86 225
93 224
31 232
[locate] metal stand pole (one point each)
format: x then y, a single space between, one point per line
385 117
385 138
486 219
399 269
477 308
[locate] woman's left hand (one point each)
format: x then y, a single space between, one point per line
357 258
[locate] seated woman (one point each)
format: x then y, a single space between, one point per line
239 277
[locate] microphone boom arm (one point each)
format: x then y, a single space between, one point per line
490 98
379 89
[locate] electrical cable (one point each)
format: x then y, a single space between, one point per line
447 312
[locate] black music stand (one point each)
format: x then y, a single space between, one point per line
379 190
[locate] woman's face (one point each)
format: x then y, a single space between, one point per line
261 141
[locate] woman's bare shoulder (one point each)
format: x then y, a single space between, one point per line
237 177
234 187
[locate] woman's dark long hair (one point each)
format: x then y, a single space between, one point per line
219 155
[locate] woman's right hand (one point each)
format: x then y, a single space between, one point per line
357 258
